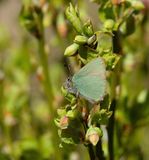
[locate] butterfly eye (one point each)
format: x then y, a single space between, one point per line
69 79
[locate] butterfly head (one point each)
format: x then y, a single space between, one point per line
68 85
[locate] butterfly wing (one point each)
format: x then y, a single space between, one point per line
90 81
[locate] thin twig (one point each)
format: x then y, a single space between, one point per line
110 129
43 58
91 152
99 151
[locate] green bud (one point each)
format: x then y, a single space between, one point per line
111 60
137 5
80 39
64 91
70 97
92 39
93 135
56 121
88 28
73 100
109 24
73 16
71 50
72 114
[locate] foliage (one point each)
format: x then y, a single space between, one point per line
38 120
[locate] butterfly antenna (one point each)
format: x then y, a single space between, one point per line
68 67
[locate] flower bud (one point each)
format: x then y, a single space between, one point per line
137 5
64 121
93 135
116 2
88 28
80 39
84 113
73 16
71 50
61 25
72 114
94 138
42 2
109 24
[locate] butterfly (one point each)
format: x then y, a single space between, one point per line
89 82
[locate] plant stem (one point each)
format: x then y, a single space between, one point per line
43 58
99 151
91 152
1 98
89 146
117 48
110 129
2 77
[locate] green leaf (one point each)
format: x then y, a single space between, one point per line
71 135
111 60
104 43
99 117
128 27
106 12
70 97
61 112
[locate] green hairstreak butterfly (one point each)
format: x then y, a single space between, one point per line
90 81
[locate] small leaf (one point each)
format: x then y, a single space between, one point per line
128 27
72 114
61 112
73 134
105 43
111 60
70 97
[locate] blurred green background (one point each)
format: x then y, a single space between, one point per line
25 131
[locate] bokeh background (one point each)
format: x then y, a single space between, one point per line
25 131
